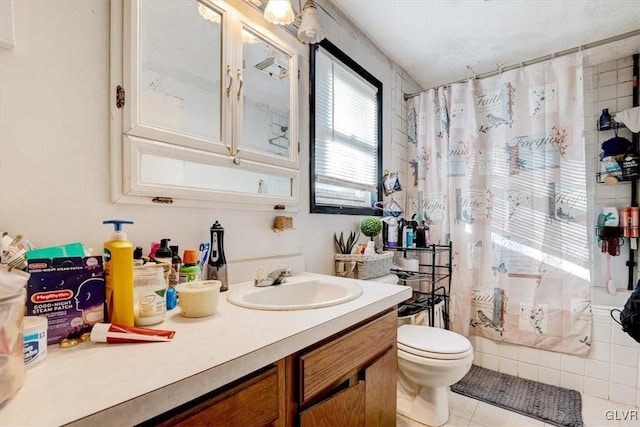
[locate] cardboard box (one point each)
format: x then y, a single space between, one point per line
70 292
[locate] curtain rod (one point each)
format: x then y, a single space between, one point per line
540 59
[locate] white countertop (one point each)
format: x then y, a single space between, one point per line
124 384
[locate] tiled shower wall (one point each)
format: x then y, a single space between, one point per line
402 83
611 368
608 85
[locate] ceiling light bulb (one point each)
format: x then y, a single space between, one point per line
279 12
310 30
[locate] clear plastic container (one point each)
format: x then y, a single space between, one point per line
149 288
12 300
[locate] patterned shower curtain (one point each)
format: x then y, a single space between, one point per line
498 166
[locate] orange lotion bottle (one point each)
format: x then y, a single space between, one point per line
118 269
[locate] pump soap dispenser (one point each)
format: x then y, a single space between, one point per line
217 263
118 269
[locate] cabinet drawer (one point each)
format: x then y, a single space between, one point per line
330 364
253 402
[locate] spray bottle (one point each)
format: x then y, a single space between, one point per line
217 263
118 268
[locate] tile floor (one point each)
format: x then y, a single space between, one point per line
467 412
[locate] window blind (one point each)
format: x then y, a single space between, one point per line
346 126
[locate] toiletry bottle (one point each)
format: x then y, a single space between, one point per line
217 263
408 235
154 248
137 256
165 256
605 120
118 269
190 269
174 278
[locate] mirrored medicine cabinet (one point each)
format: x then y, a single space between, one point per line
206 111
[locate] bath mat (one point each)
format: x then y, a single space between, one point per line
544 402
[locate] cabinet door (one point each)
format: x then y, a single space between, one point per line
380 384
345 409
266 125
179 70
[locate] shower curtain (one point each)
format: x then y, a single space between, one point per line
497 165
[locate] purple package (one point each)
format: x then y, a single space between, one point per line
69 292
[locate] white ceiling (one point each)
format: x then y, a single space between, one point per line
436 40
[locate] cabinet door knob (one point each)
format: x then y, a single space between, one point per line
230 80
239 74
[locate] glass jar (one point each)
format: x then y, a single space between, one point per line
149 288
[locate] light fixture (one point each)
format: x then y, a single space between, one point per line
310 30
279 12
209 14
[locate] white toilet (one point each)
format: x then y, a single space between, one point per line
429 361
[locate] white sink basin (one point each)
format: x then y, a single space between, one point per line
305 295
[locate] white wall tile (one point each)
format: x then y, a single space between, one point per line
508 366
625 89
624 103
509 351
608 78
490 347
549 376
601 332
572 364
607 66
528 355
600 351
549 359
620 337
608 93
477 358
625 74
490 362
625 61
572 381
597 369
626 356
624 375
528 371
597 388
623 394
601 318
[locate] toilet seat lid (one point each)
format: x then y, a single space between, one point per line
437 342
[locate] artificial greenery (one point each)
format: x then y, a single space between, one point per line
371 226
346 247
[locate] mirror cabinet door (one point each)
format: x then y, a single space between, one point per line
266 98
180 73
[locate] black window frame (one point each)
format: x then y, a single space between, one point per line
355 67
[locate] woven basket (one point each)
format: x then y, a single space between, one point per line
363 266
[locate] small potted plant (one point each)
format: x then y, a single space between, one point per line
346 247
371 226
343 261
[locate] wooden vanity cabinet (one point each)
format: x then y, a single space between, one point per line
346 380
349 379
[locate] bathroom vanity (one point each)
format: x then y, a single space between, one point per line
270 367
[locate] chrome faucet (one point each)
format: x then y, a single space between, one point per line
274 278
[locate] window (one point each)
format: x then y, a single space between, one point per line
345 134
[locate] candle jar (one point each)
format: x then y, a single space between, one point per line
625 222
634 230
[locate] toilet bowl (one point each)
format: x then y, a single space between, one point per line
429 361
